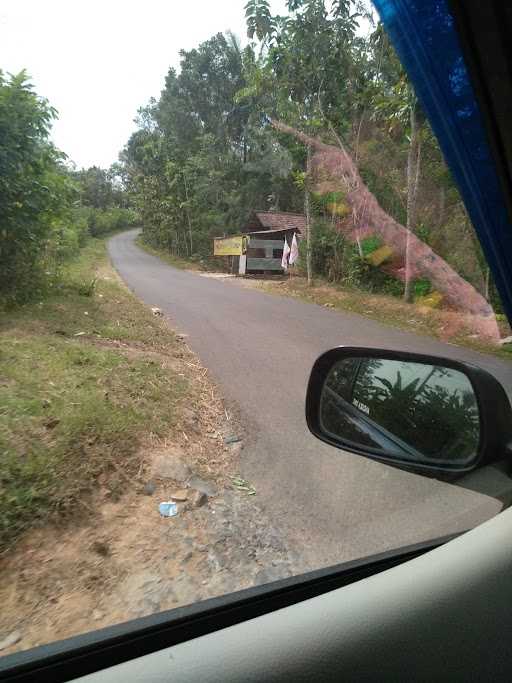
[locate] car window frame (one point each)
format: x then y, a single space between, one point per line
86 653
90 652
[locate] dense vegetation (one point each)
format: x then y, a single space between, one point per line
47 211
205 153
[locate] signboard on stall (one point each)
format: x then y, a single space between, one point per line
230 246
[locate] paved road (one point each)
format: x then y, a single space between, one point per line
332 505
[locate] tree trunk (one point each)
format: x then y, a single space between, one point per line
188 216
358 137
307 212
413 178
334 170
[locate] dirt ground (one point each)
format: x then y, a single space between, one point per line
124 560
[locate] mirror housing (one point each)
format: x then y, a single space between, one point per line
436 416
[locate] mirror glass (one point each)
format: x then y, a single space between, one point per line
425 414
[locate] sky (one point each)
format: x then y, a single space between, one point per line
98 61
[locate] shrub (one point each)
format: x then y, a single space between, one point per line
370 244
35 189
104 221
421 287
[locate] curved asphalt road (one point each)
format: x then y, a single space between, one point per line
331 505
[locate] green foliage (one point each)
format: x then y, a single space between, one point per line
370 244
422 287
34 190
40 224
102 222
259 20
382 185
87 288
332 256
204 155
424 233
375 280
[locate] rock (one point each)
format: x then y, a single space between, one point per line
156 311
180 495
51 422
202 485
149 488
506 340
187 556
9 640
232 439
97 615
101 548
170 466
197 499
214 561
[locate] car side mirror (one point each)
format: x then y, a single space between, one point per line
422 413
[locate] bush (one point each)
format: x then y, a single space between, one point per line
333 256
338 260
34 190
370 244
421 287
104 221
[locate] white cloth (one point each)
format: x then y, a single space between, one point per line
286 253
294 251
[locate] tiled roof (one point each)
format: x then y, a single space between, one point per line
277 220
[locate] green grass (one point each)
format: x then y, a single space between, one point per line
81 386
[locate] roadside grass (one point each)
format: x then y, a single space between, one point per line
82 386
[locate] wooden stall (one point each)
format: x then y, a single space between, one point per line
259 248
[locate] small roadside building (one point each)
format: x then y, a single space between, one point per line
259 247
276 220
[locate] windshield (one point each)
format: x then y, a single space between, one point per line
195 203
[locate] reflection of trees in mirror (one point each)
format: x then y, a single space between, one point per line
342 375
456 419
435 411
340 419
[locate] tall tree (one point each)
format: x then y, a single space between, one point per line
35 190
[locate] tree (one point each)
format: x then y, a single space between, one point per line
35 189
334 170
95 187
260 23
216 145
